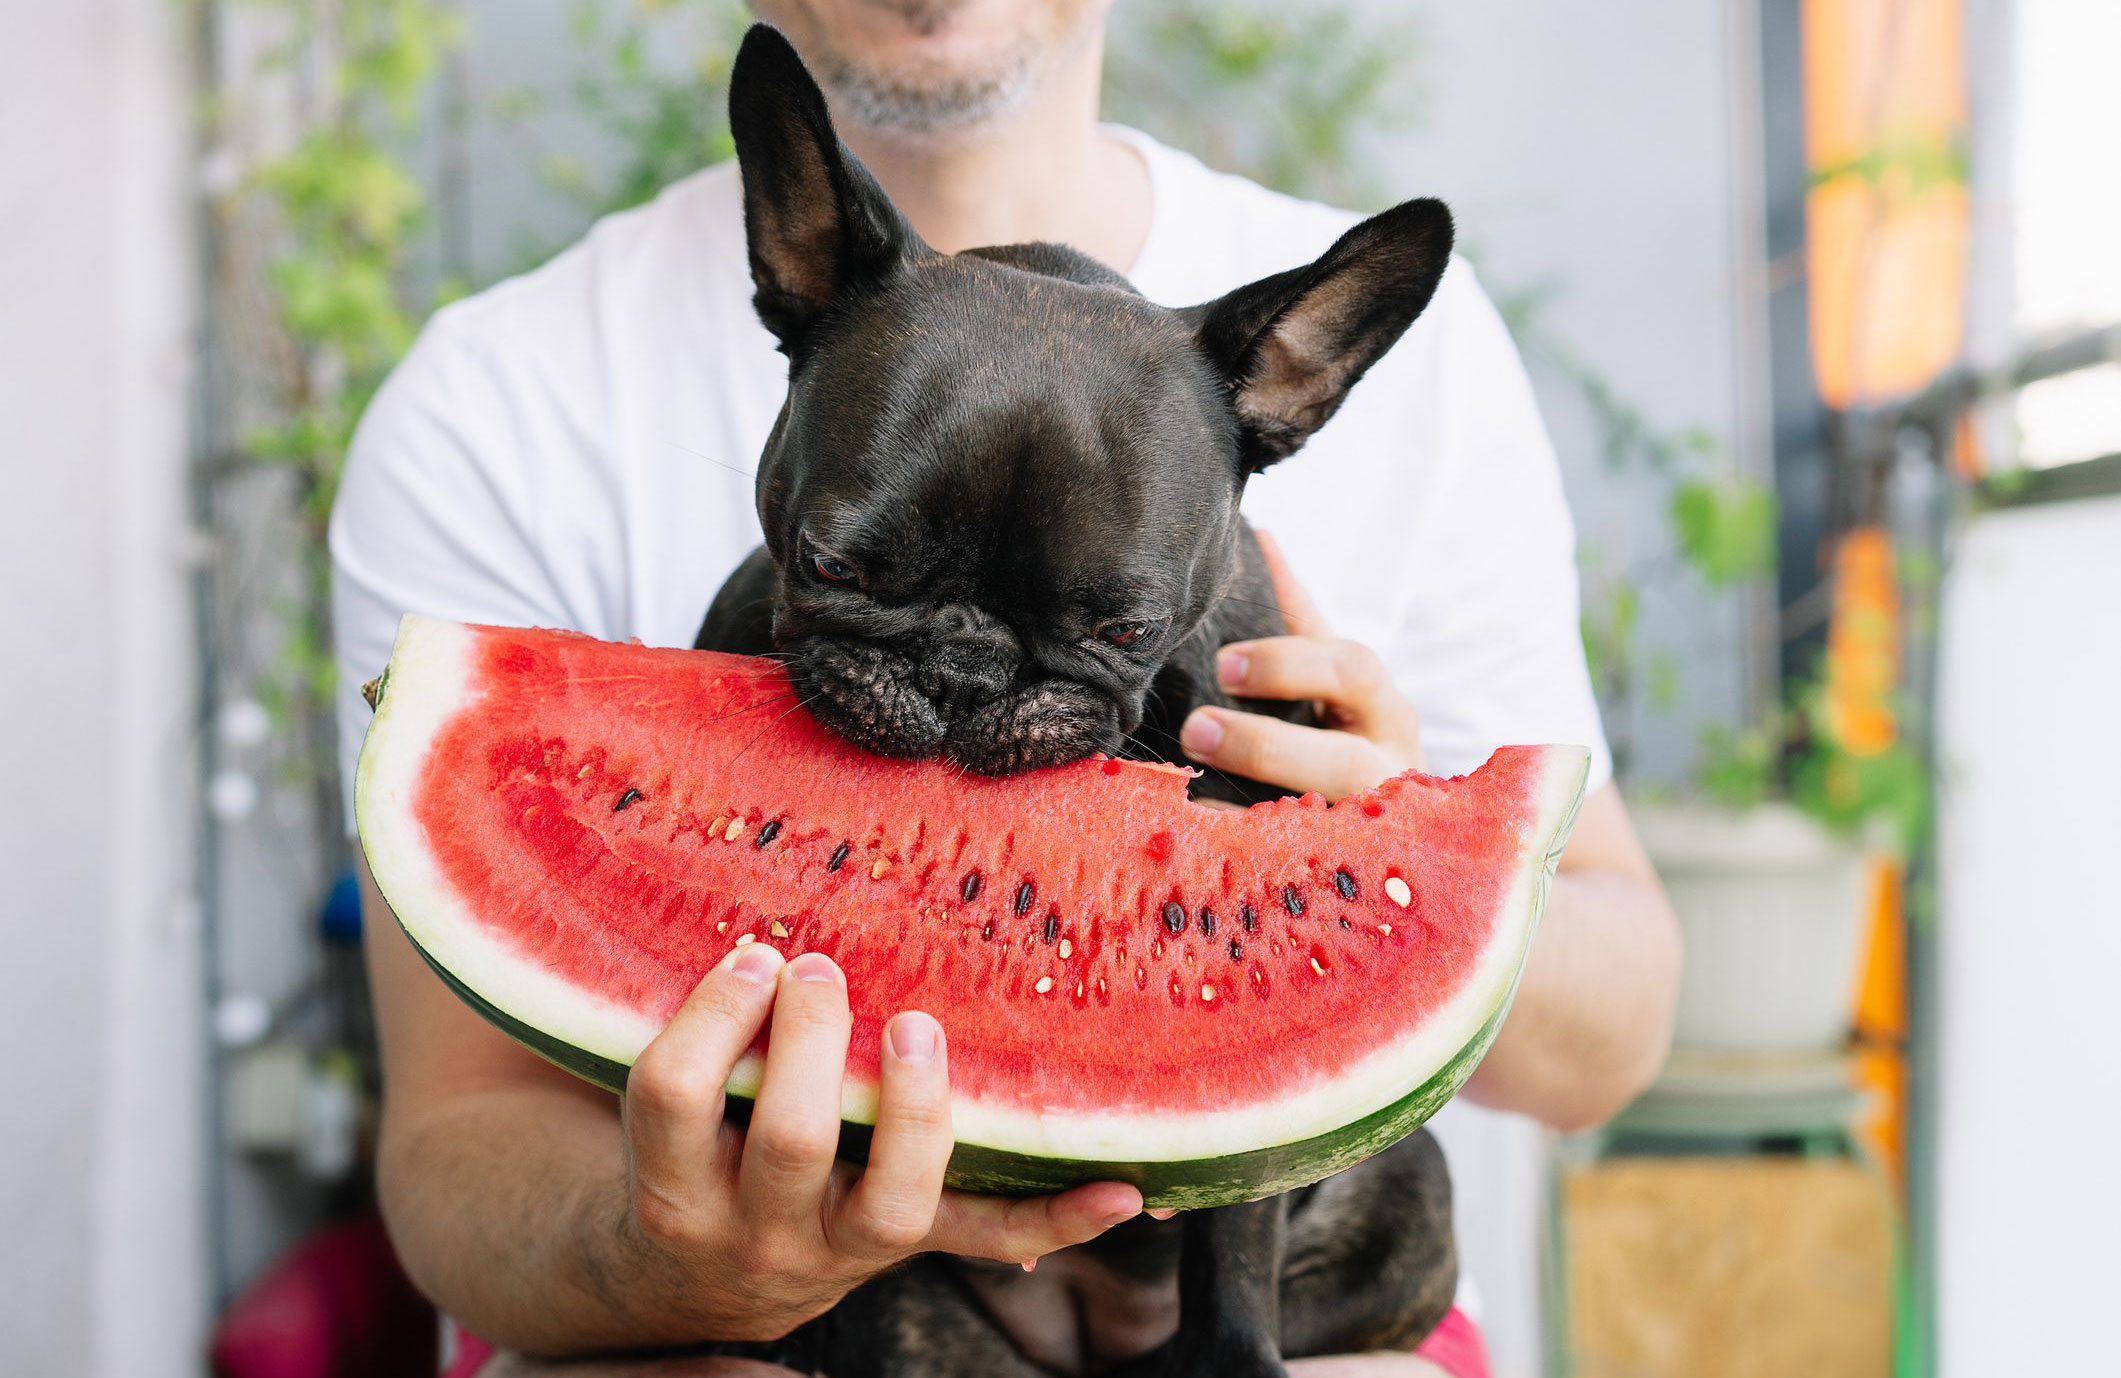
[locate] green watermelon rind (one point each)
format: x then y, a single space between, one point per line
600 1039
1181 1184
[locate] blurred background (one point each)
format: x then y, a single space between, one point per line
1821 300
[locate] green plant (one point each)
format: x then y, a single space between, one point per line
317 290
1284 95
662 119
1794 754
1722 529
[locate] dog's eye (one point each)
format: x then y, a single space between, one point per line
832 569
1123 633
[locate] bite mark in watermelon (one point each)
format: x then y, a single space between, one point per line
1215 1005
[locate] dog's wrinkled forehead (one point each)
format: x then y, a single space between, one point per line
979 403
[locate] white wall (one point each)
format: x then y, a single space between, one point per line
2030 944
1603 154
1600 151
100 1130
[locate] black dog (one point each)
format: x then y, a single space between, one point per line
1001 518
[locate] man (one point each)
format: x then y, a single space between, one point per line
572 449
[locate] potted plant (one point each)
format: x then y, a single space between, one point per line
1768 847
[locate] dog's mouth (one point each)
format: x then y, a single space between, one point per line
883 701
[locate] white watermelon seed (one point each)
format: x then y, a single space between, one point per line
1397 889
1207 992
1045 983
1318 966
1066 947
878 868
779 929
734 831
1385 929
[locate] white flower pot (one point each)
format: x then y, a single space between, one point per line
1772 908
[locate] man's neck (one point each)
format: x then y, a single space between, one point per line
1042 170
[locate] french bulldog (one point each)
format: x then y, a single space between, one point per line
1000 509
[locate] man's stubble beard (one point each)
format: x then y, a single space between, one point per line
920 98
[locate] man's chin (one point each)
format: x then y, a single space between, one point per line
927 65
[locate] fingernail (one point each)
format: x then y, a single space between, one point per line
913 1037
1202 733
814 966
1162 1213
1030 1265
755 963
1231 667
1118 1217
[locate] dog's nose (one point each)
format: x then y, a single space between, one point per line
971 659
959 685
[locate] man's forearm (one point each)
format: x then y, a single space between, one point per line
509 1211
1593 1014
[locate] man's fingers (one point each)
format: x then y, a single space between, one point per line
795 1125
892 1208
1346 676
1021 1230
673 1104
1297 610
1335 764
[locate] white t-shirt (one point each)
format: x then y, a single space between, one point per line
574 448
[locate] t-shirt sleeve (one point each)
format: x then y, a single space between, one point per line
1492 649
430 518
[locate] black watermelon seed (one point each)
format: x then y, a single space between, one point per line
1052 927
839 856
969 887
1344 883
1292 901
1248 916
1174 917
627 798
988 931
1207 922
768 833
1345 924
1024 895
1237 950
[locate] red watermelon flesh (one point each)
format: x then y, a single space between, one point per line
574 831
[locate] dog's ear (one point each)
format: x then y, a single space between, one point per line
1290 346
817 223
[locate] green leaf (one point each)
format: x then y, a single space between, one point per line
1726 530
1738 767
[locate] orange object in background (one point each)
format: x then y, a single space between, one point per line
1880 1056
1886 218
1863 645
1862 673
1886 227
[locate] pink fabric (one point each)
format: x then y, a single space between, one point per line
470 1354
336 1306
1455 1346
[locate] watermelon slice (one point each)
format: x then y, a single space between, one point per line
1215 1005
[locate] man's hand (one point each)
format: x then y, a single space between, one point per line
1593 1014
757 1230
1371 731
552 1220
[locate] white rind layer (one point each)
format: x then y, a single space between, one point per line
429 682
